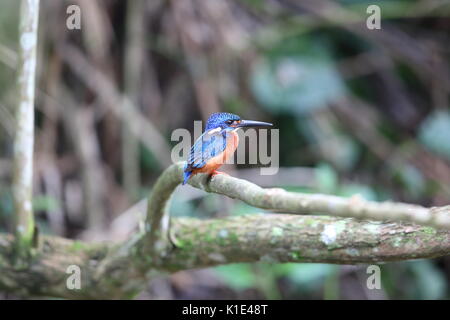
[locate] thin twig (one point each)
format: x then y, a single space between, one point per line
121 106
132 68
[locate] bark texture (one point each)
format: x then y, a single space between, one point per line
120 270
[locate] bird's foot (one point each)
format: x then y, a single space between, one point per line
215 172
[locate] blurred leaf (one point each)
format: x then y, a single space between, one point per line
412 180
8 22
267 280
44 227
241 208
45 203
296 84
147 159
234 104
326 177
305 275
365 191
429 281
9 15
434 133
346 152
237 276
6 207
180 207
331 285
332 144
6 201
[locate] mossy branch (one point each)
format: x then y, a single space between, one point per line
279 200
120 270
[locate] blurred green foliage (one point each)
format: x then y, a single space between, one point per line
434 132
297 71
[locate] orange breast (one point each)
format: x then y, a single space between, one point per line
217 161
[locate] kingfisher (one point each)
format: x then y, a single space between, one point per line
217 143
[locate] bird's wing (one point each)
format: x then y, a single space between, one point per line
207 146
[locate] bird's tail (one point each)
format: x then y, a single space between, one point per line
187 175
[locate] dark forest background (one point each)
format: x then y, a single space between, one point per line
359 111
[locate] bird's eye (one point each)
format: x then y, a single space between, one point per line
230 121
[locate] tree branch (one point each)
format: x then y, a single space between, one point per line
133 61
279 200
120 270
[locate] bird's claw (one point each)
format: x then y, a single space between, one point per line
215 172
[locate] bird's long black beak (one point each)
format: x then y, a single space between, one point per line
251 123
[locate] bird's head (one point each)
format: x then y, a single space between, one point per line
229 121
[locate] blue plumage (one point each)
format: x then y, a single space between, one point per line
207 146
212 143
186 175
220 119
